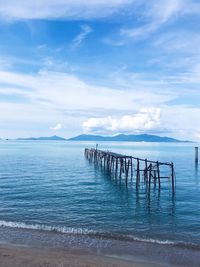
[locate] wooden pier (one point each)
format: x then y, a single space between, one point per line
129 167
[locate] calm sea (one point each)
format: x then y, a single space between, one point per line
50 186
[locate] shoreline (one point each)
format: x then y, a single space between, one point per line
25 244
20 256
21 226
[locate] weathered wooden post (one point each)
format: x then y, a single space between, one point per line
120 164
146 171
127 170
116 167
196 154
150 169
158 172
173 184
138 171
131 168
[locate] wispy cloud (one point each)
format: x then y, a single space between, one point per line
164 10
63 9
113 42
69 90
45 84
182 55
139 32
55 96
157 14
47 96
56 127
85 31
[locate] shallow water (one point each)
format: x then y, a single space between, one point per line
51 186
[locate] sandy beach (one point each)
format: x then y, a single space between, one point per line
15 256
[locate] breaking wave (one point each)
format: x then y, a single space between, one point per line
91 233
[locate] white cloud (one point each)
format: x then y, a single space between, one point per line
181 54
56 127
158 13
163 10
197 134
113 42
85 31
139 32
63 90
145 120
179 41
65 9
47 97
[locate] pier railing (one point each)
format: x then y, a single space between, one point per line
129 167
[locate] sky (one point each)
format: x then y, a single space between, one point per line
69 67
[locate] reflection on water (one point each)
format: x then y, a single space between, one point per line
141 205
196 173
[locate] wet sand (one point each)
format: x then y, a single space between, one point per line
15 256
30 247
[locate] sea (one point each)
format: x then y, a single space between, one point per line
50 195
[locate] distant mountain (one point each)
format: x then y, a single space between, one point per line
127 138
50 138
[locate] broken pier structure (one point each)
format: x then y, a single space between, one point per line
129 167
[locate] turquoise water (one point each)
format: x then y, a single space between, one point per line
51 186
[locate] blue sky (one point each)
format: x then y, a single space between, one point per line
102 67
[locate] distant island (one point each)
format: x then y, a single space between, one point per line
49 138
126 138
115 138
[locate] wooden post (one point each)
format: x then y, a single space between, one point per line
196 154
127 171
116 167
138 170
150 167
108 158
112 163
154 177
131 168
109 163
158 172
145 171
116 164
121 166
173 185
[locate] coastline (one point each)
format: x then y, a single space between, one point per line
16 256
30 247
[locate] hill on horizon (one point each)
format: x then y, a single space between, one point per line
126 138
116 138
50 138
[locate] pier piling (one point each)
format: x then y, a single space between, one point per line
196 154
146 171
